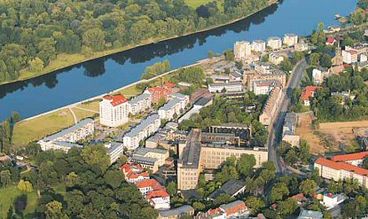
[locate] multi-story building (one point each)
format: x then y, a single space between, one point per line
227 87
176 213
160 92
150 158
65 139
242 50
115 150
264 87
275 58
134 173
343 167
274 43
289 129
317 76
195 156
154 193
140 103
144 129
259 46
301 47
175 106
114 110
350 56
197 106
261 72
271 107
290 39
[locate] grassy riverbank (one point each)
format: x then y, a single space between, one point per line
67 60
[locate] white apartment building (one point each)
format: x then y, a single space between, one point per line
271 107
264 87
227 87
259 46
159 199
290 39
274 43
242 49
144 129
66 138
317 76
140 103
114 110
175 106
349 56
114 150
275 58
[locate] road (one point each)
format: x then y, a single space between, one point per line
275 130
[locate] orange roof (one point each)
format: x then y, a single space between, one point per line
299 197
116 99
308 92
214 211
152 183
236 209
157 194
331 40
350 157
342 166
170 84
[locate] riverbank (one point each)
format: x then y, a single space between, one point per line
69 60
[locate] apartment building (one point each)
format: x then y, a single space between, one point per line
290 39
343 167
317 76
140 103
264 87
154 193
274 43
275 58
195 156
262 72
242 50
259 46
114 110
350 55
65 139
144 129
289 129
150 158
236 86
160 92
114 150
175 106
271 107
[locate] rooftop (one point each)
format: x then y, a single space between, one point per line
143 160
308 92
64 132
308 214
192 149
234 207
139 98
116 99
350 157
342 166
142 125
202 101
231 187
149 183
185 209
172 103
143 151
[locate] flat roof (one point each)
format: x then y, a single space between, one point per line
139 98
185 209
143 151
64 132
192 149
142 125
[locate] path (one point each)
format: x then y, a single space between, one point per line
74 116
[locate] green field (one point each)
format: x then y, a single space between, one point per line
197 3
8 196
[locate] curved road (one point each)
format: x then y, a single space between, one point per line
275 130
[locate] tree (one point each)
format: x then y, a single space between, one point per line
36 64
114 178
255 204
199 206
54 211
171 188
308 187
287 207
5 178
71 179
25 186
95 39
325 61
279 191
96 155
246 164
286 65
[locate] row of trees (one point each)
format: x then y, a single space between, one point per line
34 32
156 69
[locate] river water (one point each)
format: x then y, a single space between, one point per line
102 75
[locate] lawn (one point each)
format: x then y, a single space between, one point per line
9 194
35 129
196 3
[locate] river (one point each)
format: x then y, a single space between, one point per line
102 75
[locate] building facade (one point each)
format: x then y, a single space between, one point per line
271 107
114 110
274 43
290 39
242 50
140 103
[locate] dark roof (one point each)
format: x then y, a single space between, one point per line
202 101
231 187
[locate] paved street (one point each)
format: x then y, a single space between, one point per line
275 130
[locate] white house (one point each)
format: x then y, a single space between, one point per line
144 129
317 76
264 87
228 87
114 110
140 103
349 56
332 200
275 58
274 43
159 199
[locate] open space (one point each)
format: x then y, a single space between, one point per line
197 3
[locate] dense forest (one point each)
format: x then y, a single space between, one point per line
34 32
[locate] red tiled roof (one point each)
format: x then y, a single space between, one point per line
116 99
170 84
350 157
341 166
236 209
152 183
214 211
299 197
308 92
157 194
330 40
